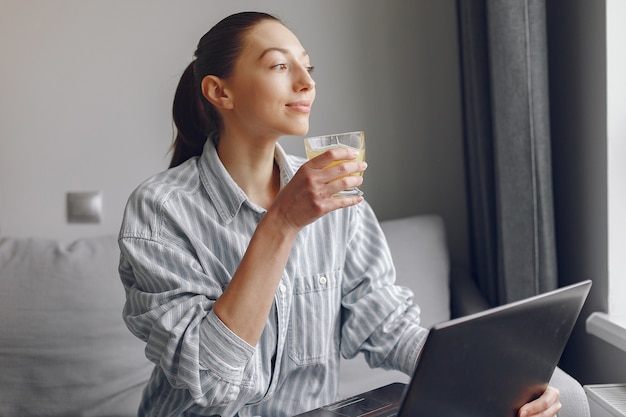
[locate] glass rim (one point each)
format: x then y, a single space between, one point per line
354 132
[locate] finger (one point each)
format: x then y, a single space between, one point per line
550 412
546 405
347 200
333 155
344 169
351 171
344 182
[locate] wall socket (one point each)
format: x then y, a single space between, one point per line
84 207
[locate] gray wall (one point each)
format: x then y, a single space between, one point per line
86 90
576 31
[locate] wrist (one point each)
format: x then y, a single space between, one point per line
279 225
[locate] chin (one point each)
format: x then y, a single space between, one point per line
297 126
294 132
301 130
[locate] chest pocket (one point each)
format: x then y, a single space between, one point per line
315 317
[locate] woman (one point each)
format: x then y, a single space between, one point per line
244 276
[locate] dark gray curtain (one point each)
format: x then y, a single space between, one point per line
507 137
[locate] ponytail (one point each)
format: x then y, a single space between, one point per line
190 119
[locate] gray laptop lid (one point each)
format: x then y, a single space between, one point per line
491 363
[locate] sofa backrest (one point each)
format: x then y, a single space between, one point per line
420 254
64 349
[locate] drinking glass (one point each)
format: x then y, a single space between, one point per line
317 145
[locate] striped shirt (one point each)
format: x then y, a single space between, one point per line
184 233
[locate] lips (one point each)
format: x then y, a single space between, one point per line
302 106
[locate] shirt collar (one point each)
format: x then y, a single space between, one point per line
224 192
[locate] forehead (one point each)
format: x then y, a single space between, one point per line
270 34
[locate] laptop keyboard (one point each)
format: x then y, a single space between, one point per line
356 406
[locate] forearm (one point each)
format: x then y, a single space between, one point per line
246 301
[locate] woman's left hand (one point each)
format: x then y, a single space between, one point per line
545 406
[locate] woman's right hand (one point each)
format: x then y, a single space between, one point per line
310 193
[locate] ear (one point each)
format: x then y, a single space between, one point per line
214 91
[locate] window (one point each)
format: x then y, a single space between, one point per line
611 327
616 147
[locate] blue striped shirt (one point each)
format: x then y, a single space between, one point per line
184 233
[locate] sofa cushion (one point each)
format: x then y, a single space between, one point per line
64 349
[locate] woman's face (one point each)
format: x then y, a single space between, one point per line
271 86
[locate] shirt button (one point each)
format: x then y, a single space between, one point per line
323 280
282 288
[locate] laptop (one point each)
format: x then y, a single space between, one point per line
482 365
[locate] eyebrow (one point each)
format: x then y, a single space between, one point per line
282 50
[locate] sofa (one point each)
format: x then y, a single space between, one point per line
64 350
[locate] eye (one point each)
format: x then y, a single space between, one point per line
280 67
310 68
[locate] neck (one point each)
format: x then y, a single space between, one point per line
251 165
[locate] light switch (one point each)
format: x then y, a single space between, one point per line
84 207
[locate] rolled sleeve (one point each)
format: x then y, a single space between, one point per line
223 352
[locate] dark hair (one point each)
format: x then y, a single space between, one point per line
194 117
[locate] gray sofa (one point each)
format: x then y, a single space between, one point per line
64 350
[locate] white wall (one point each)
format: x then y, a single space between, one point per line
86 91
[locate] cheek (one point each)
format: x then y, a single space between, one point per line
251 103
261 98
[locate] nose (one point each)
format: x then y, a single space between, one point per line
304 79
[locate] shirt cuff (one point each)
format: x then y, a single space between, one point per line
410 348
222 351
